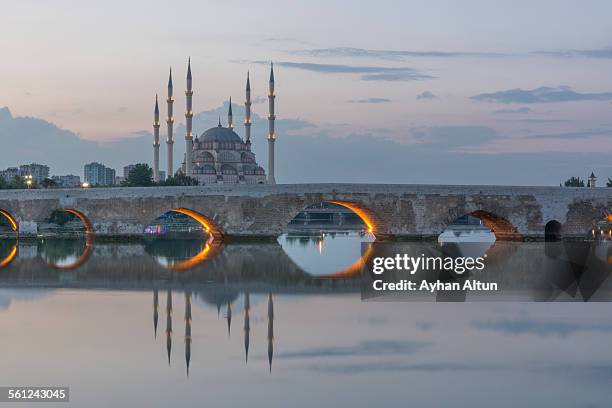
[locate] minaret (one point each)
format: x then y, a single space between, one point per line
156 142
155 310
188 119
187 329
170 122
592 182
271 135
270 329
247 325
247 118
169 324
230 117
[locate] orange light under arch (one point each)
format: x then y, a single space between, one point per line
209 226
4 262
11 220
82 217
367 220
208 252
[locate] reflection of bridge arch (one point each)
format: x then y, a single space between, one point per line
209 225
354 270
211 249
12 222
10 257
89 244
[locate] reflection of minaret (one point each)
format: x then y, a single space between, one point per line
247 324
187 329
169 324
270 329
155 310
229 318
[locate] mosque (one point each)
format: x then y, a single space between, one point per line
219 155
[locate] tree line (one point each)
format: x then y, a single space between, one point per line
578 182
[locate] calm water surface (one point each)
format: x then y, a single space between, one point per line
177 323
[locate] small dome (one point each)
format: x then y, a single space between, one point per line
220 134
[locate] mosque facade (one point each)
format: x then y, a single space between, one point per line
219 155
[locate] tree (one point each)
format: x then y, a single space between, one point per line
48 183
140 176
609 183
180 180
574 182
19 183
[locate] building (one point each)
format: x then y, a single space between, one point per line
39 172
68 181
97 174
219 155
127 169
9 174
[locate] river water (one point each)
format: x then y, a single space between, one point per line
164 323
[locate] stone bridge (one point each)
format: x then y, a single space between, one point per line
389 211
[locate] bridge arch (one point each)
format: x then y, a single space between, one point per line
373 224
60 220
500 226
11 220
553 231
208 225
86 223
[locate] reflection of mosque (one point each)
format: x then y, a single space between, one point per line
188 321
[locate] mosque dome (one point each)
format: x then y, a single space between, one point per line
220 134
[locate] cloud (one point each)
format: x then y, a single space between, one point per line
388 366
364 348
604 53
307 153
542 94
370 100
540 328
367 73
522 110
387 54
259 99
586 134
426 95
455 136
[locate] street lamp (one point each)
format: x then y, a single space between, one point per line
85 185
28 180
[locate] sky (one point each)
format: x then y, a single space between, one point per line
473 83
